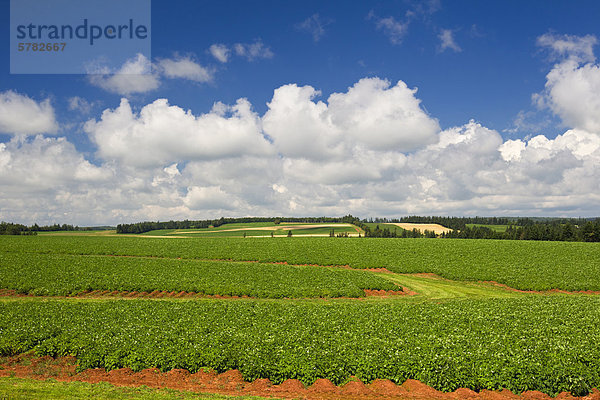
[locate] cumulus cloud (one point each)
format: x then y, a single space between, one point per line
184 68
371 115
253 51
209 198
22 115
447 41
161 133
41 164
578 48
135 76
220 52
369 150
572 88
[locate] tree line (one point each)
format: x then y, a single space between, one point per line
588 231
8 228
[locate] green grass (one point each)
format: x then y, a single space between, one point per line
63 275
546 343
279 230
31 389
527 265
435 288
497 228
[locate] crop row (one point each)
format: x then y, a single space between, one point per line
528 265
530 343
58 274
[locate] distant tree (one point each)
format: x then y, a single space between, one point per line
277 221
289 233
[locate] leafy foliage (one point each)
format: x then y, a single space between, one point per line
56 274
527 265
531 343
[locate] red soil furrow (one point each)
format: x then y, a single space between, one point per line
232 383
157 294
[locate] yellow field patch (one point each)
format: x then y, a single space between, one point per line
437 228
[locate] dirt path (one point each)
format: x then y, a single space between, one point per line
232 383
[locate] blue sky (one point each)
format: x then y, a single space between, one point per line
491 113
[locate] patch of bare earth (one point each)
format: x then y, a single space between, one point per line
437 228
232 383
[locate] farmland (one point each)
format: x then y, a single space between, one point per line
525 265
474 343
306 322
262 229
62 275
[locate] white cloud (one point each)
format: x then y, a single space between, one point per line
184 68
573 93
209 198
370 150
135 76
79 104
220 52
161 133
253 51
572 88
393 29
314 25
41 164
372 115
578 48
22 115
447 41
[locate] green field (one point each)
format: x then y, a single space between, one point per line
251 230
454 331
527 265
65 275
531 342
497 228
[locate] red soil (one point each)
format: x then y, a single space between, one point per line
386 293
232 383
157 294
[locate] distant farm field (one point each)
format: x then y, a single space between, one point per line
526 265
497 228
263 229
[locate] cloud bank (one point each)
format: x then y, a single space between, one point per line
371 150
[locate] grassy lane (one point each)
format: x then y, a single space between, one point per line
434 288
32 389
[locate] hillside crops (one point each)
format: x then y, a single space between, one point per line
57 274
531 343
526 265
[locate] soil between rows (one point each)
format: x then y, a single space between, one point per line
232 383
158 294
